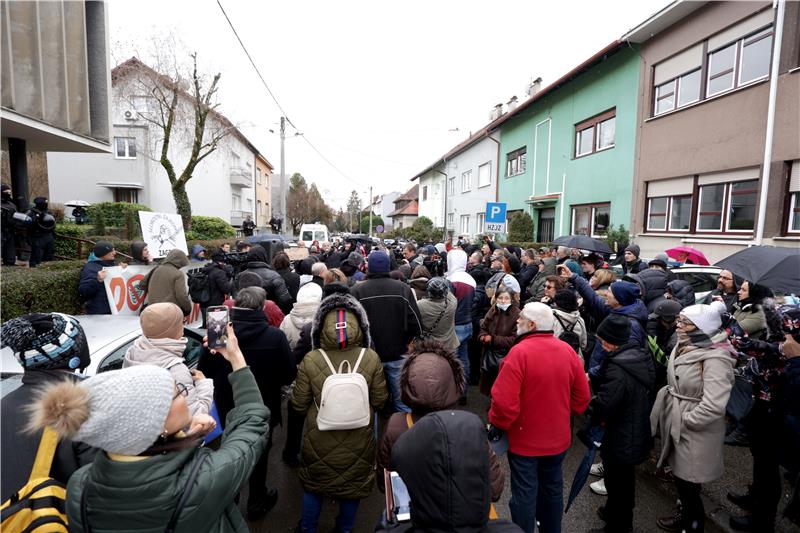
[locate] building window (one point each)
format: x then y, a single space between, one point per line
125 147
424 193
129 196
739 63
657 214
516 162
236 202
595 134
465 224
258 175
466 181
485 174
481 223
591 220
794 212
259 208
669 213
742 197
731 206
678 92
450 218
452 187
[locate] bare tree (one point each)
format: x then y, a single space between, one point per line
183 116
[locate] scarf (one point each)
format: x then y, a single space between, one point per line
161 352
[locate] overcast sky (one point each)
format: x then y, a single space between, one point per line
376 86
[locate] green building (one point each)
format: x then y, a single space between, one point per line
567 152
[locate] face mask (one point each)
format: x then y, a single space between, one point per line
503 307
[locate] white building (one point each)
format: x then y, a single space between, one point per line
222 184
454 190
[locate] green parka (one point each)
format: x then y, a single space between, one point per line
141 495
338 464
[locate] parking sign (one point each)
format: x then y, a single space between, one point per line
495 217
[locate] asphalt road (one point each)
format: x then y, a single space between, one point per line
651 501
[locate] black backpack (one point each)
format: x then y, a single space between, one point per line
199 290
568 335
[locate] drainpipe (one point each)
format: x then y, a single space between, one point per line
497 170
444 215
773 94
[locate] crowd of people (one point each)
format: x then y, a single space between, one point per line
373 351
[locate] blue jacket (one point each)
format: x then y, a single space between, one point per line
93 291
636 313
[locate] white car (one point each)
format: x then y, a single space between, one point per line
703 279
109 337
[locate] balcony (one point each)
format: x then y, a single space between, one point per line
237 217
241 177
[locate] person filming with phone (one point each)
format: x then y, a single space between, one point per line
151 473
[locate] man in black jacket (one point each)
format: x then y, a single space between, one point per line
219 284
7 227
394 317
269 357
258 262
622 406
49 346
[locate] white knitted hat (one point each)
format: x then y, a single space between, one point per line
310 292
127 408
707 318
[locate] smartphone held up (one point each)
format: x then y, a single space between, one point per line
217 319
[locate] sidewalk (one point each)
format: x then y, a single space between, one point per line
738 474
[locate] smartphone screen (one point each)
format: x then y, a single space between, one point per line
402 501
217 321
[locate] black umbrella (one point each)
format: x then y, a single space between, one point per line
584 242
776 267
594 437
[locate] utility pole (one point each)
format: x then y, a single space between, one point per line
283 176
370 210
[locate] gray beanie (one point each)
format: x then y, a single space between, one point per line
634 249
121 411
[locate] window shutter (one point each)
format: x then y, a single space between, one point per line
794 176
679 64
728 176
740 30
670 187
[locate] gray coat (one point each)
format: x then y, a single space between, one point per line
444 330
689 412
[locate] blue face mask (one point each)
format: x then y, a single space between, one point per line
503 307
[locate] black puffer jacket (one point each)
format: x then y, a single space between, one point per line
682 292
622 404
273 282
292 280
653 284
444 463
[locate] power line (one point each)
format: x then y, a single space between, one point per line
272 95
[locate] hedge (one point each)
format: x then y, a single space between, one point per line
43 289
115 213
53 286
209 228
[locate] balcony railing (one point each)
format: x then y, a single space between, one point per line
240 177
237 217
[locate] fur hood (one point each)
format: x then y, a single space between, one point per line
336 301
432 378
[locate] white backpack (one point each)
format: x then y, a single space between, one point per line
345 398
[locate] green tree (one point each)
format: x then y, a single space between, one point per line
363 226
184 114
520 229
618 238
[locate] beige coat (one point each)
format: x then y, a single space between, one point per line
689 413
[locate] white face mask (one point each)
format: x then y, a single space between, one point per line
503 307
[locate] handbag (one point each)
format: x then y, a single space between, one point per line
490 364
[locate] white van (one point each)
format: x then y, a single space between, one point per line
314 232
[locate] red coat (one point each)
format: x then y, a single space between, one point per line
541 383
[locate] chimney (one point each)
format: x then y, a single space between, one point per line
497 112
512 104
533 87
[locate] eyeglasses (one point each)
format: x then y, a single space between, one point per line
683 322
183 390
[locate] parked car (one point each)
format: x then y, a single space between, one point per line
109 337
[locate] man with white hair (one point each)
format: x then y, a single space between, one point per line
541 383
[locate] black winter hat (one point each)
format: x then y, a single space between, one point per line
565 300
668 309
615 329
102 248
46 341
